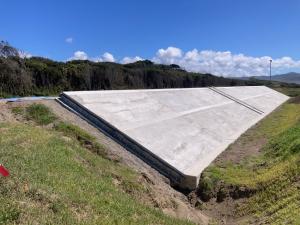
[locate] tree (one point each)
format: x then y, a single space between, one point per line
6 50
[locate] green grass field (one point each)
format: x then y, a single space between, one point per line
290 91
56 179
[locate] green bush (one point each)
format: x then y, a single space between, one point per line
205 190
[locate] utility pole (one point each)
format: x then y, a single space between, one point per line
270 69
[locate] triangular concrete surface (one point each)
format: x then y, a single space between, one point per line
179 132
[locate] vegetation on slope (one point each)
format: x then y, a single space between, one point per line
270 181
55 180
287 77
39 76
290 90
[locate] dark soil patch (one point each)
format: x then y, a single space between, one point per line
295 100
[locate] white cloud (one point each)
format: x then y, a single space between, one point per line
108 57
69 40
222 63
127 59
208 61
79 55
168 56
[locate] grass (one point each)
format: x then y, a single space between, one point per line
36 112
290 91
62 175
274 175
280 120
18 110
40 114
85 139
57 181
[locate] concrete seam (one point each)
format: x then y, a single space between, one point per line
236 100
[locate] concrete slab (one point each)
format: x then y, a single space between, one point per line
177 131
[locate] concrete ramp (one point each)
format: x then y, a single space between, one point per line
179 132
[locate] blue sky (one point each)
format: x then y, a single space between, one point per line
254 28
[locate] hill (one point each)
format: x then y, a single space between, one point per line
293 78
40 76
287 78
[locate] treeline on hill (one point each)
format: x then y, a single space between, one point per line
40 76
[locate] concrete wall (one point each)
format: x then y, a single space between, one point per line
177 131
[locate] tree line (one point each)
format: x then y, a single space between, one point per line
41 76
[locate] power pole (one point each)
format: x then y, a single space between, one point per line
270 69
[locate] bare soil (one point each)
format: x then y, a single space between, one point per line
223 212
295 100
5 113
241 149
160 195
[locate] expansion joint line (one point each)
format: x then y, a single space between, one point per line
236 100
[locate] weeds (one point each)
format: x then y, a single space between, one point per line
18 110
84 138
40 113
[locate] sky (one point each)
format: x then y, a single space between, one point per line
223 37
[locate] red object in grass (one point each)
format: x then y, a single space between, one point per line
3 171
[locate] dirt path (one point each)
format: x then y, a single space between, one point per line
161 195
242 148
